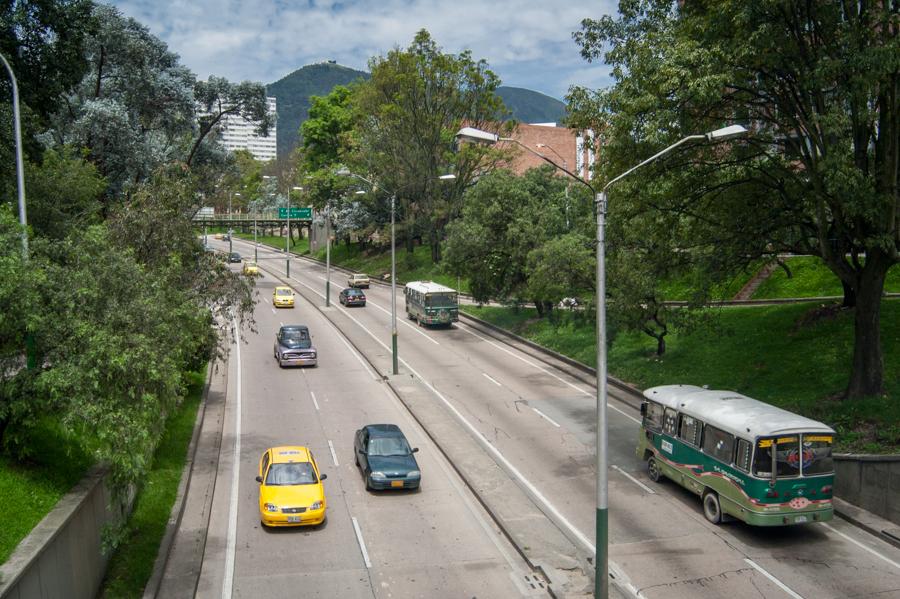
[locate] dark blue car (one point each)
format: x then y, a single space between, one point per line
385 458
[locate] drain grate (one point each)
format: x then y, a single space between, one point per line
535 582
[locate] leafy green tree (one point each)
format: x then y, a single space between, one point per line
407 115
561 267
64 193
818 84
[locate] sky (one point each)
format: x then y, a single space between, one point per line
527 43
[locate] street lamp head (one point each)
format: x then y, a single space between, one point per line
359 192
343 172
473 134
726 133
295 188
447 177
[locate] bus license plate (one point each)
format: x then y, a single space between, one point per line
800 519
396 483
293 518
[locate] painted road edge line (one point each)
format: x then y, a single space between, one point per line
333 454
362 544
862 546
634 480
545 417
777 582
228 582
315 403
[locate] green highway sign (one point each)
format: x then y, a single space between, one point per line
298 213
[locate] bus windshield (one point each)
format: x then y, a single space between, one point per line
790 460
440 300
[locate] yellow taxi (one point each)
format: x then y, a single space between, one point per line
218 236
283 297
290 487
251 268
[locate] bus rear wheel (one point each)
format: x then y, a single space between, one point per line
653 470
711 507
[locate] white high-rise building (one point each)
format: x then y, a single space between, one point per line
237 133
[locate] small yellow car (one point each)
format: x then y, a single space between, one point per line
217 236
290 488
283 297
251 268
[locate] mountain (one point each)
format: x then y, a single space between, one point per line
292 93
529 106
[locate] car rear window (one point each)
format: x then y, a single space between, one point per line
283 292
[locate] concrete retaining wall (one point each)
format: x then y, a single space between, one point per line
871 482
62 556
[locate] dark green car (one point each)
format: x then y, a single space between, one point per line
385 458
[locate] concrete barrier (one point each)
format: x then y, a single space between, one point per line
871 482
63 556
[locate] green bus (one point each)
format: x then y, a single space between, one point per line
720 445
430 303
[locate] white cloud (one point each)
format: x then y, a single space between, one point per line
526 42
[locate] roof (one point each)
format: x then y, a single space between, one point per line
384 430
289 453
283 287
429 287
733 412
293 327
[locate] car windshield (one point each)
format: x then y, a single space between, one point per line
300 473
388 446
295 335
283 292
813 458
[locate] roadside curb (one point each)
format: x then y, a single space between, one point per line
165 546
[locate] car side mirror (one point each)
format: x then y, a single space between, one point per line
323 477
259 479
415 449
643 409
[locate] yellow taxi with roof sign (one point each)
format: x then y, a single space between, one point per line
283 297
290 487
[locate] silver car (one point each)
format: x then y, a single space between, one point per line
293 346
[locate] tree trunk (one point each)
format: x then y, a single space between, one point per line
435 247
660 345
539 306
849 296
867 376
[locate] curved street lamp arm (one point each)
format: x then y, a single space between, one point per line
545 159
654 157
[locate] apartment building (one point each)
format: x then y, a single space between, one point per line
237 133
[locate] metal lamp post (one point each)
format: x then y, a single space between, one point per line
230 227
394 358
601 561
20 168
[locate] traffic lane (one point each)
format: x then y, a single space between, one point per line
417 542
323 561
628 449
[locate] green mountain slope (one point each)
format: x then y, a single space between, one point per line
528 106
292 93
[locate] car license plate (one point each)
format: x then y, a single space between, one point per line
396 483
800 519
293 518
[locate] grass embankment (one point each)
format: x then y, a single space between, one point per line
794 356
298 246
811 278
30 488
132 563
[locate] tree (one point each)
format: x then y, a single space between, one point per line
406 117
817 82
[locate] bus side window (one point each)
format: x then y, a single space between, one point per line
742 456
718 444
690 430
653 417
670 424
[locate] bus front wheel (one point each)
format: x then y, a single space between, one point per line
653 470
711 507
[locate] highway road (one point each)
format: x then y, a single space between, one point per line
437 542
541 421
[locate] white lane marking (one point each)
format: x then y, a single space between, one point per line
862 546
488 377
415 328
634 480
333 454
228 583
280 323
544 370
274 311
545 417
265 299
362 544
780 584
315 403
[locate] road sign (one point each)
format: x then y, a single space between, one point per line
299 213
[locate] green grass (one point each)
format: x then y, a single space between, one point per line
132 563
811 278
298 246
30 488
794 356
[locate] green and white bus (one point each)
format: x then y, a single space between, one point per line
720 445
431 304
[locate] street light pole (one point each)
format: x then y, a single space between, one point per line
601 559
20 168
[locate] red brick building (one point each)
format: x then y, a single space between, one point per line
566 147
